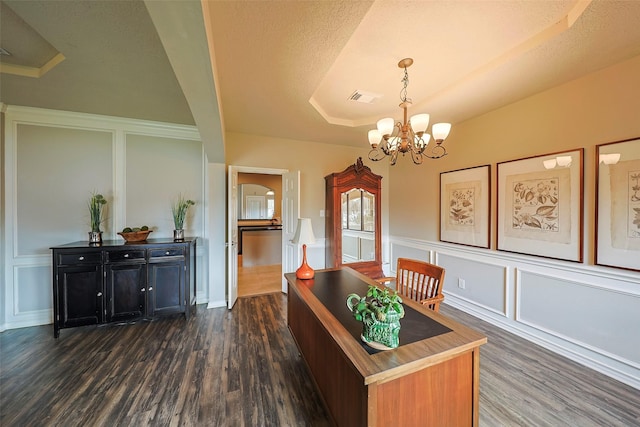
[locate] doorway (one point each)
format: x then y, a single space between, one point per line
290 204
260 233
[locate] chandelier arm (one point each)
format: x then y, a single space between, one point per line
376 155
416 148
416 157
394 157
385 147
423 146
436 152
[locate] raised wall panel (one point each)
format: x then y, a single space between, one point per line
32 289
367 249
57 168
151 190
401 251
583 313
350 249
484 283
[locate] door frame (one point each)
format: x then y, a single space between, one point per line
232 221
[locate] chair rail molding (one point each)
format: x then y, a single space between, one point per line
545 301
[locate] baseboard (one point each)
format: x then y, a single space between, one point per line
583 359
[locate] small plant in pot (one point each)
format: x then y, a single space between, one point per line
380 311
96 210
179 211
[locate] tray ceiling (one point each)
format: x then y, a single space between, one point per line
288 69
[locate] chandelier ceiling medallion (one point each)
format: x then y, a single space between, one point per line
407 136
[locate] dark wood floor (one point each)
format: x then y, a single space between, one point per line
241 368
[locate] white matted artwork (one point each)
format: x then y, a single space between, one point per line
540 205
618 204
464 206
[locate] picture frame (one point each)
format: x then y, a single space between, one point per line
617 216
540 206
465 199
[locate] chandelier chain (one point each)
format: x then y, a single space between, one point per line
405 82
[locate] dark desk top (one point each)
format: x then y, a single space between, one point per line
332 289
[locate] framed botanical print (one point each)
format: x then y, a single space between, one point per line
540 205
465 197
617 241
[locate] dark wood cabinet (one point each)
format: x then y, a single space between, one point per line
119 281
125 291
166 287
79 299
352 220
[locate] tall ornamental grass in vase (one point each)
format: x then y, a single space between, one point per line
96 209
179 211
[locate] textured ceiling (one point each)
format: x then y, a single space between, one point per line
114 62
287 68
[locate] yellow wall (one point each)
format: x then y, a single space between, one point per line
601 107
313 160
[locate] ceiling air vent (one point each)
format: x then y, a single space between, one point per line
364 97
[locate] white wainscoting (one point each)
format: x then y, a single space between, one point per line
45 195
485 284
594 320
586 313
31 293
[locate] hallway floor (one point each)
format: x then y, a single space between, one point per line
258 280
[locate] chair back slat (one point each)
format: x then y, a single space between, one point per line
419 281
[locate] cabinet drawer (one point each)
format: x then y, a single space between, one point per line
166 252
120 256
79 258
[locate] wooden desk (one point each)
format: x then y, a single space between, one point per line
428 382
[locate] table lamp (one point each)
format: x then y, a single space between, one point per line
304 236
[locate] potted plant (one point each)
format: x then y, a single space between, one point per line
96 209
380 311
179 211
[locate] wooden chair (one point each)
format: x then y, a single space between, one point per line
419 281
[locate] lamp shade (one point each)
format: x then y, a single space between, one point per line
419 122
563 161
304 233
441 131
549 164
385 126
374 137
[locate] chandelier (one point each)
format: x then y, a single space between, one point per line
407 136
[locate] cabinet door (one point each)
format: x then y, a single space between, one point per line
80 295
166 287
125 291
